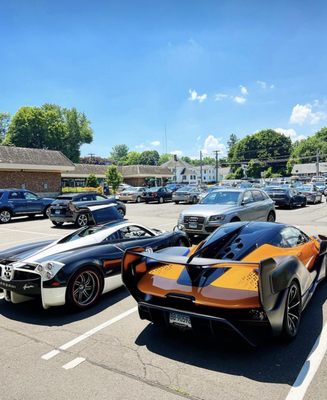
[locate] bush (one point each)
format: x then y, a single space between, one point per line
92 181
68 189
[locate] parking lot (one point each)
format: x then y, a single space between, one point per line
107 352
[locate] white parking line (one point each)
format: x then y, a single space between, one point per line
86 335
309 368
30 232
74 363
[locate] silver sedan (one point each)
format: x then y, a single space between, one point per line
132 194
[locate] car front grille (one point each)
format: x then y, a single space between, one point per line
194 222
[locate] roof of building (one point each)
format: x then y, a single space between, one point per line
84 170
309 168
22 158
145 171
176 164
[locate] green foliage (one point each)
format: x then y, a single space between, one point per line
119 154
239 173
92 181
132 158
268 173
164 158
4 124
232 140
68 189
254 169
50 127
113 177
186 159
149 157
94 160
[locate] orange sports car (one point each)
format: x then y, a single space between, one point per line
244 275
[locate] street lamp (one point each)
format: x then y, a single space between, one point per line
217 164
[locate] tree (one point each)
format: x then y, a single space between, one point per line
4 124
186 159
149 157
267 145
164 158
232 140
132 158
92 181
119 153
239 173
113 177
95 160
50 127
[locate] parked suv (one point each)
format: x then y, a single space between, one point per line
17 202
226 205
66 208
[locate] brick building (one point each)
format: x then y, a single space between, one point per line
35 169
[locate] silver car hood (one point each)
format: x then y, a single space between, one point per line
209 209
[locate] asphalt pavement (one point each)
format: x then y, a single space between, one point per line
107 352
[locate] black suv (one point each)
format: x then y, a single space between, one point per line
67 207
17 202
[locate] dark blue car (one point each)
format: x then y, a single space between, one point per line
17 202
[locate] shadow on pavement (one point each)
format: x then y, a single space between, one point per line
272 361
33 313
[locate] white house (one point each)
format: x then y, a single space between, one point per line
183 172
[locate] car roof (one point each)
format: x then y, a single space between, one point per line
76 194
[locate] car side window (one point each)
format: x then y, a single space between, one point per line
16 196
257 195
113 237
30 196
134 232
98 197
248 198
292 237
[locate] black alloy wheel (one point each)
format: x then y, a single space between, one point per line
84 288
293 309
5 216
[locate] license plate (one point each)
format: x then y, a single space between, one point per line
180 320
193 225
57 211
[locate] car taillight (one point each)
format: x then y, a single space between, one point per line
154 194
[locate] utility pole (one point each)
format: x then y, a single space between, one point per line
317 163
201 167
217 164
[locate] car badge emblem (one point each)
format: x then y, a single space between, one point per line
148 250
7 272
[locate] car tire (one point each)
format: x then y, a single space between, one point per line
84 288
271 217
138 199
47 212
55 223
121 212
176 202
194 200
291 205
82 220
292 313
161 200
304 204
5 216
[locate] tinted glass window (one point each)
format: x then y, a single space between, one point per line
221 197
16 195
134 232
30 196
248 198
1 194
257 195
292 237
114 236
98 197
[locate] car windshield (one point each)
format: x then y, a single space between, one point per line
278 190
222 197
153 189
132 189
185 189
306 187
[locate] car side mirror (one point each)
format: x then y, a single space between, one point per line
243 203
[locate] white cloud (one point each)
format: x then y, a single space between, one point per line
178 153
239 99
244 90
211 144
291 133
264 85
307 113
220 96
155 143
195 96
140 146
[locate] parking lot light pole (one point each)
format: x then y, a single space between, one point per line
217 165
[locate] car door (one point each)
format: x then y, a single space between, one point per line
33 203
17 202
135 236
261 205
248 211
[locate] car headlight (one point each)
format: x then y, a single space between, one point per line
217 217
49 269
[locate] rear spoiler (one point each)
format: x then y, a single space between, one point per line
274 276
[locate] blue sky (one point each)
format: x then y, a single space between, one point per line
204 69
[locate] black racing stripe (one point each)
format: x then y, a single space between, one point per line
204 278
